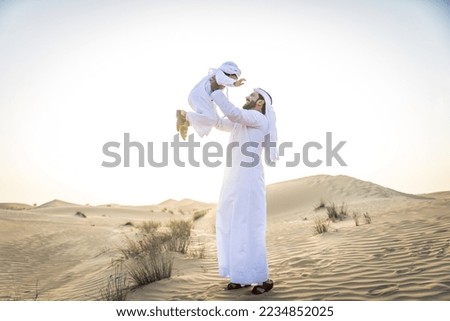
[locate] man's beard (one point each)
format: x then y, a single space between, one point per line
249 105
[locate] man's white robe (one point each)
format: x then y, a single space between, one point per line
241 211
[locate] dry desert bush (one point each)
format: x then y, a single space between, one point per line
180 235
199 214
337 213
321 225
116 285
197 250
357 218
149 227
147 256
320 206
367 218
80 214
150 267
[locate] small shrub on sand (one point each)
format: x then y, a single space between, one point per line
150 267
320 206
149 227
80 214
197 251
132 248
199 214
367 218
321 225
116 288
357 218
337 213
143 243
147 256
180 235
36 291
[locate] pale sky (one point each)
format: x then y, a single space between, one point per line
75 75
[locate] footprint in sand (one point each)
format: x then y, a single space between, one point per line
426 250
384 253
421 250
383 290
409 271
443 251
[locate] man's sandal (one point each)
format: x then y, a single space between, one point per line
265 287
235 286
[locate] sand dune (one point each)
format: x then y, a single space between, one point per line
291 195
15 206
402 255
56 203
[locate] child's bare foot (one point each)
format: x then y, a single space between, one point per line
181 118
182 123
184 130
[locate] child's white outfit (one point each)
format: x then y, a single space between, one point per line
205 115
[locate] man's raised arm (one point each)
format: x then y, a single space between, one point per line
251 118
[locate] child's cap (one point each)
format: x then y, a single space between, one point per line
230 68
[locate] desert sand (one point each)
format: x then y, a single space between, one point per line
48 252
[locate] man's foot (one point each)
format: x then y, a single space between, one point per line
235 286
265 287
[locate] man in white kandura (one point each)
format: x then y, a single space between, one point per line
241 210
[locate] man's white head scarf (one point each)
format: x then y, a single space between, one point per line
230 68
271 117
